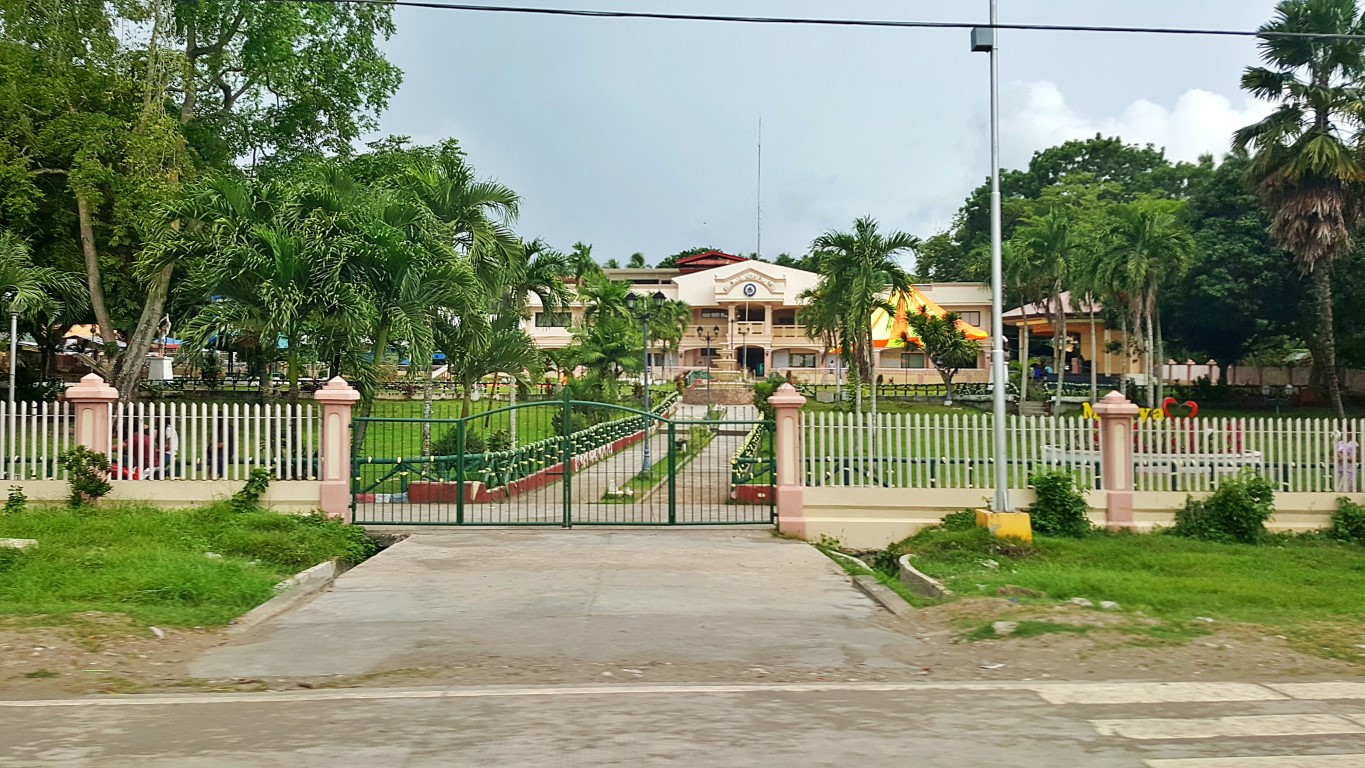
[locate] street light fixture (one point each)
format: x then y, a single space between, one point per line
710 356
645 310
983 41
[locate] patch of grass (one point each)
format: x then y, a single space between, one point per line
151 564
41 674
1026 629
1292 585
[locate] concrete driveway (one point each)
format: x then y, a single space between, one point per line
541 606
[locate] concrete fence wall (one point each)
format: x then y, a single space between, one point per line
308 474
872 516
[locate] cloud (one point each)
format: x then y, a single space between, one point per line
1200 123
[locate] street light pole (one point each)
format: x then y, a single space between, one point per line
659 298
984 41
708 338
13 353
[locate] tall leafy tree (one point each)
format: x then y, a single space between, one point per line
1306 165
946 346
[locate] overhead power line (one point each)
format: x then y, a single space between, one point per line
798 21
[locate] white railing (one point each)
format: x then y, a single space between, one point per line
1295 455
212 441
32 437
941 450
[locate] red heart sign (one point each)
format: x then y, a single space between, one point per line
1190 404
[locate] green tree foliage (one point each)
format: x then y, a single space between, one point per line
1061 509
1305 165
947 347
671 262
1124 172
1233 299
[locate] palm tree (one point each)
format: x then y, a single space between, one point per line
607 347
475 350
1147 245
604 299
581 264
1023 278
33 292
535 269
858 267
668 326
1047 253
637 261
1306 164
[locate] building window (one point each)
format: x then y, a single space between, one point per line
971 318
715 314
751 314
784 319
914 360
553 319
709 352
802 360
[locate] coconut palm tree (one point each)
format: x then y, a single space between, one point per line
1146 247
32 292
581 263
1047 253
637 261
858 267
1306 164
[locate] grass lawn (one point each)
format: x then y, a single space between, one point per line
1307 588
151 564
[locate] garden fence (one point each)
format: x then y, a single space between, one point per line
212 441
33 436
941 450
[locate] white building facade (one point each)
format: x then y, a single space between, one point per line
749 310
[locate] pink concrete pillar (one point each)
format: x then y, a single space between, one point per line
786 403
91 398
334 496
1116 416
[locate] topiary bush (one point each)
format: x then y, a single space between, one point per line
1235 513
1061 509
1348 522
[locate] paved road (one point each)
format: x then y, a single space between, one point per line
555 605
1136 725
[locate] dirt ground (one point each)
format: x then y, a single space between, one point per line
103 654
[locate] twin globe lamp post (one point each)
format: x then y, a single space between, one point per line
642 312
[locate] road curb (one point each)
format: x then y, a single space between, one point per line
290 593
919 582
883 595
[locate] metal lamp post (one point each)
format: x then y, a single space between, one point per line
983 41
708 338
643 314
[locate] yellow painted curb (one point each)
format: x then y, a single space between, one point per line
1006 525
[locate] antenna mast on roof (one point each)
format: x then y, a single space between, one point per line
759 250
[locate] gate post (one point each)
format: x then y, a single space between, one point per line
1116 416
334 493
91 399
786 403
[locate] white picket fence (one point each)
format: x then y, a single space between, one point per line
1295 455
32 436
213 441
941 450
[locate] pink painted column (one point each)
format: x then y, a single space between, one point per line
334 496
1116 416
786 403
91 398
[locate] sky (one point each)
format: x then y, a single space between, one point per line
637 135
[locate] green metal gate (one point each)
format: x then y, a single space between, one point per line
564 462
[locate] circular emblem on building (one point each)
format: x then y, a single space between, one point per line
750 289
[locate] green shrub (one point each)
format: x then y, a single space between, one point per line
14 503
1235 513
1061 509
448 444
249 498
86 471
499 440
1348 522
960 521
764 390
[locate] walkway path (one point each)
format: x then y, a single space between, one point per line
565 606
